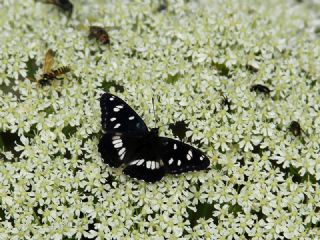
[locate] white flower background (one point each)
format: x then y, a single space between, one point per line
263 182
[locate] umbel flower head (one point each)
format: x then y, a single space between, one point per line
199 59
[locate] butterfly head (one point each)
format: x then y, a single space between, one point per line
154 131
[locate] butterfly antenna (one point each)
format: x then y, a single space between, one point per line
154 113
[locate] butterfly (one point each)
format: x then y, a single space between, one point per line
144 154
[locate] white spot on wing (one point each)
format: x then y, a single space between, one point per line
201 158
134 162
179 163
157 165
111 99
115 137
118 145
131 118
117 125
189 155
116 141
137 162
122 155
148 164
174 146
161 163
117 108
121 151
141 161
170 161
153 165
113 119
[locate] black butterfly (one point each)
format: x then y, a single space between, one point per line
146 156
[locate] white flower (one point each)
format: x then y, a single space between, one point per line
263 180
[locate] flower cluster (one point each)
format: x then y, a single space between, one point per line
199 59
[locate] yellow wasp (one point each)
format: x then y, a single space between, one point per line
48 73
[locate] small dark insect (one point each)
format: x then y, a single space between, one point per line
145 155
252 68
226 102
163 6
100 34
295 128
260 88
64 5
48 73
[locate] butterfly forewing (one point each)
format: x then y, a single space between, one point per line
180 157
118 116
117 149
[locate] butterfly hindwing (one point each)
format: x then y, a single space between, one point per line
118 116
149 170
180 157
144 163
